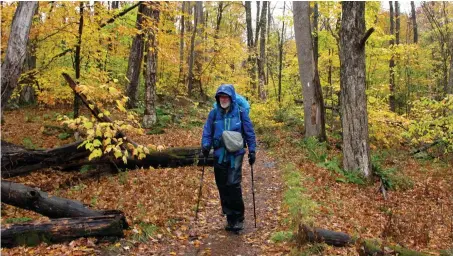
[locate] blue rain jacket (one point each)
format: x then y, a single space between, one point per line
236 119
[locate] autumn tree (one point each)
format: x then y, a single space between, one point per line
356 149
16 51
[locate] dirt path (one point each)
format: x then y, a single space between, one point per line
251 241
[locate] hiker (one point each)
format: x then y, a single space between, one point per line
229 116
241 101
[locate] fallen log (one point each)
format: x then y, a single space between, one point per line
19 161
35 200
375 248
60 230
308 234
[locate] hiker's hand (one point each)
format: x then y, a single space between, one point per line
205 152
252 158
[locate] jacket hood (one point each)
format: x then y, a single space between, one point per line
227 89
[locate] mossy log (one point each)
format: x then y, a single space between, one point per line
308 234
375 248
60 230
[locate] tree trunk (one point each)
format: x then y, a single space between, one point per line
450 79
135 59
397 23
356 149
280 57
414 22
27 92
392 102
248 20
315 32
262 58
150 116
60 230
115 5
313 103
251 46
78 47
182 79
258 23
16 50
306 234
192 56
35 200
198 58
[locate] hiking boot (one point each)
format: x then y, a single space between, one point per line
229 226
238 226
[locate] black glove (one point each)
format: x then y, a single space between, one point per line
252 158
205 152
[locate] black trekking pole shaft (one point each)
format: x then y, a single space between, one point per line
253 195
199 191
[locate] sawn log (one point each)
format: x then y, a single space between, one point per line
307 234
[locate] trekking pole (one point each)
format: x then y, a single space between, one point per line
253 194
199 191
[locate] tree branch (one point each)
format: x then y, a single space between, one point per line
122 13
365 37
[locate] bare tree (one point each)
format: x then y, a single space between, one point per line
150 70
135 59
314 117
356 149
16 50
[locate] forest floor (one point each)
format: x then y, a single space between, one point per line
160 203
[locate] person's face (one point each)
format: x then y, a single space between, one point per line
224 101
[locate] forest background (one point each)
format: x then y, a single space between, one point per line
157 64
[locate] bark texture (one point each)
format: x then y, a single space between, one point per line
13 62
356 149
135 59
311 87
150 74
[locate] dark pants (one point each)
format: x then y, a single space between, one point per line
228 182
